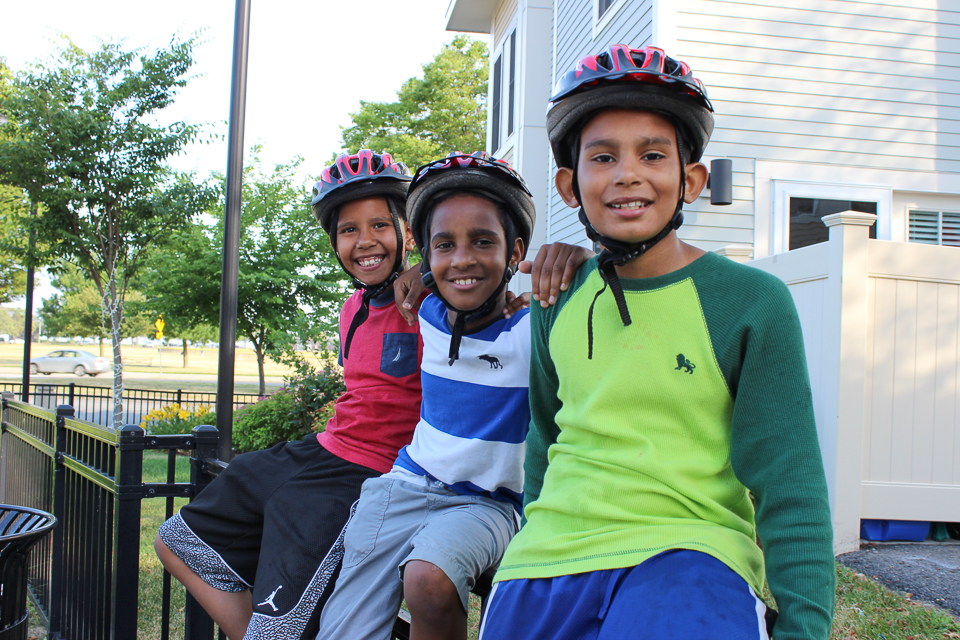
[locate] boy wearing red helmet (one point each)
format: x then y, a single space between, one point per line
672 420
264 533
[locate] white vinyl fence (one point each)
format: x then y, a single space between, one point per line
880 324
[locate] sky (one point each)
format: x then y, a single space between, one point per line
310 63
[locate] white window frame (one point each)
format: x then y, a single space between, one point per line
502 52
600 22
784 189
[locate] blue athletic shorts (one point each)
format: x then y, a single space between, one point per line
677 594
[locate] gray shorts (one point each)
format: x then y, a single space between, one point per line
402 517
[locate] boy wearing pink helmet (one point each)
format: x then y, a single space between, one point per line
672 419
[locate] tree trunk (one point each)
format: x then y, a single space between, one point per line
258 347
116 318
186 360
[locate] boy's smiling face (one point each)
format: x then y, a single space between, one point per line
367 240
628 172
468 254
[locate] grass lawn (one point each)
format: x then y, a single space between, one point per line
865 610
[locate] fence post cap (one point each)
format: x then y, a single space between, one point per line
131 431
65 410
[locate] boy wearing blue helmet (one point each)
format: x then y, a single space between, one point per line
672 419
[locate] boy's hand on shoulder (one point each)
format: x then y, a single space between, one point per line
406 292
553 270
515 303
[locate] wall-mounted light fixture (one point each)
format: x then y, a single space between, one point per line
720 181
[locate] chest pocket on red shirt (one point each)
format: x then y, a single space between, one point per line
399 357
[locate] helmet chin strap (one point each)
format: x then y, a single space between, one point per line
372 291
617 253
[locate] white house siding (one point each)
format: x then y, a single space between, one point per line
503 19
868 92
705 226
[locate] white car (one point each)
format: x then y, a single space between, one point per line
80 362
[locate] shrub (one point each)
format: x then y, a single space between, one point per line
172 419
303 406
316 391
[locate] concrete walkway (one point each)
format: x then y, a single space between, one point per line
930 571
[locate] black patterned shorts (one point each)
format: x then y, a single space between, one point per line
271 523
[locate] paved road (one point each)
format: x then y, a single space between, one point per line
928 570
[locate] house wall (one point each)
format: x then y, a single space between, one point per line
833 91
866 93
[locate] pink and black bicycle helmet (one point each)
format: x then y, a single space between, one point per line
623 78
351 177
355 176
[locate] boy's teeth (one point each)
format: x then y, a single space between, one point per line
464 281
628 205
369 262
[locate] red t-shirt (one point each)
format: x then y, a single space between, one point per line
376 416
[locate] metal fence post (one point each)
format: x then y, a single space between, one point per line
197 623
7 395
64 411
126 527
71 393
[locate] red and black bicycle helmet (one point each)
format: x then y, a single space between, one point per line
489 177
623 78
351 177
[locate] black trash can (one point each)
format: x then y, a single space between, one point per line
20 529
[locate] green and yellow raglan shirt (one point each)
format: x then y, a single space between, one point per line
654 442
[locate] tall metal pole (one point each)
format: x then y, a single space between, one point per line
231 233
28 319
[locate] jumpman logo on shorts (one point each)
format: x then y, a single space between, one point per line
269 600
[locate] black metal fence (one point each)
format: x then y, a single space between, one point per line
95 404
85 577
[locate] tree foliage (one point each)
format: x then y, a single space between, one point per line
82 141
443 111
13 206
286 265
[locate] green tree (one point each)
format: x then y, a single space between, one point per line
445 110
82 141
11 321
290 286
13 277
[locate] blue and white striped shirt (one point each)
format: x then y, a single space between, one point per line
475 414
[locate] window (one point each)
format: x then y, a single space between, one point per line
504 92
603 12
798 209
511 88
806 218
495 125
935 227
